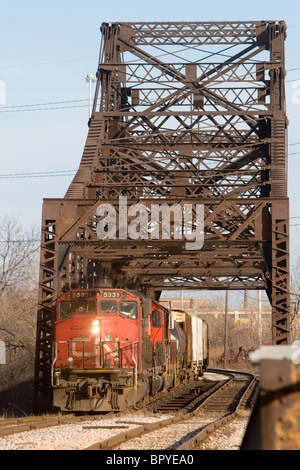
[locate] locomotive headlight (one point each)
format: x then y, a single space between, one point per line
96 327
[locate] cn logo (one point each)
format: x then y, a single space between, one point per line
79 347
111 348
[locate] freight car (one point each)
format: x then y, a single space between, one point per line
196 351
114 347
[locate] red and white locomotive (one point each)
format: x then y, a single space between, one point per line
113 347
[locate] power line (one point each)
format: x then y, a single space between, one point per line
41 174
42 104
45 63
293 70
49 106
42 109
34 240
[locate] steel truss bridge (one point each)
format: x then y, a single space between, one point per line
184 113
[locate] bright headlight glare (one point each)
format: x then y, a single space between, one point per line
95 322
95 330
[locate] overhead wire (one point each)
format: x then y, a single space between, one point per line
41 174
43 109
43 104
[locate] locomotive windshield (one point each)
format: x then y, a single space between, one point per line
108 306
66 309
86 306
129 308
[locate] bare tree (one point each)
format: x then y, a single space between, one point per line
18 250
18 306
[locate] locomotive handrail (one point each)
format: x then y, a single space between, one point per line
53 362
55 343
135 364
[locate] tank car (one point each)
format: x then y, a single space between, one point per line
114 347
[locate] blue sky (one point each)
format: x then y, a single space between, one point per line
48 48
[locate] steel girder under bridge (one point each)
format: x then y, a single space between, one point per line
185 114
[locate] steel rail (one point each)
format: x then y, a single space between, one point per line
123 437
202 435
29 423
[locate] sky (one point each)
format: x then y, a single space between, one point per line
47 50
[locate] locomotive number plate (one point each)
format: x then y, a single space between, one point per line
84 295
111 294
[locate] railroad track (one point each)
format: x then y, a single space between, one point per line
219 403
236 398
18 425
191 408
183 399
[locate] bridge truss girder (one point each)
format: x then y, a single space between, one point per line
184 113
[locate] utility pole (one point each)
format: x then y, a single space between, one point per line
259 318
90 78
246 300
2 353
226 331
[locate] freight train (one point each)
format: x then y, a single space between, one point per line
114 347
